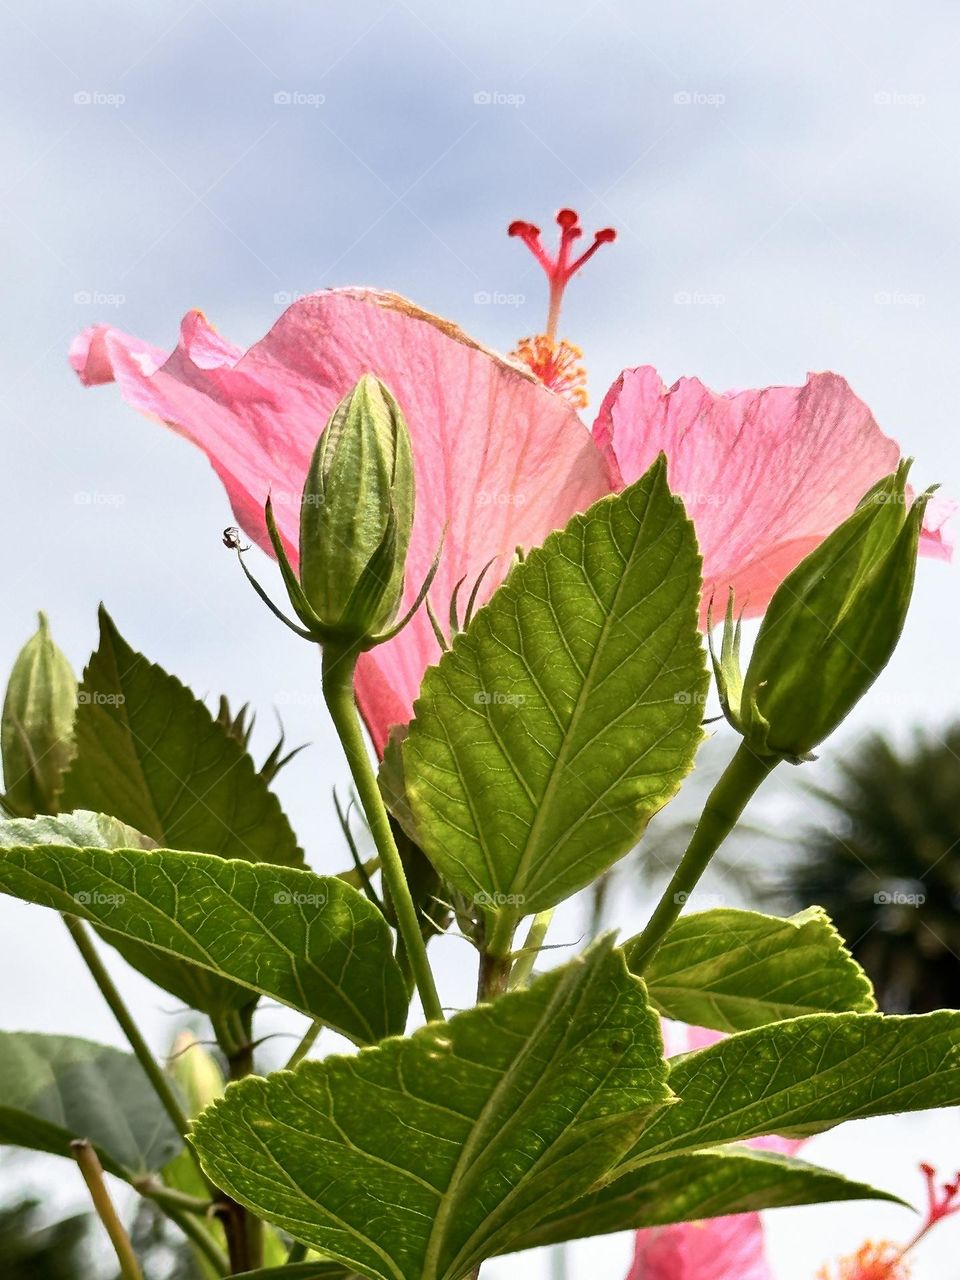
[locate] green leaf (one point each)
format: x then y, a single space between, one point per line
152 755
706 1184
36 728
302 1271
735 970
311 942
569 710
417 1159
804 1076
57 1088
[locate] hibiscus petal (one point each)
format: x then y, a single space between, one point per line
716 1249
765 475
500 461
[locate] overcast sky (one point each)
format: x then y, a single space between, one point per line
791 168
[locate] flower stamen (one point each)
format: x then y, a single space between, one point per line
556 362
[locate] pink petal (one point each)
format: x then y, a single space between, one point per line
765 475
500 461
715 1249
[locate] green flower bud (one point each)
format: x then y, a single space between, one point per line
355 521
830 629
36 726
357 514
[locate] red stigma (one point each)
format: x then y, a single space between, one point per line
943 1200
559 269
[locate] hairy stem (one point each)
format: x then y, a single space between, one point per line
92 1171
496 956
741 778
338 671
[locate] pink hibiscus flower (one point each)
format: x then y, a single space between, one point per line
732 1248
501 456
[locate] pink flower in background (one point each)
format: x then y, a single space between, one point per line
501 456
715 1249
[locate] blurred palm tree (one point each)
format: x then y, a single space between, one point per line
33 1250
887 867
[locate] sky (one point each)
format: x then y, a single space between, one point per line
784 183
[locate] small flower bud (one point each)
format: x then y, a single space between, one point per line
36 727
355 521
830 628
357 513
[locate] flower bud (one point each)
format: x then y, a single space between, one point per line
355 520
829 630
36 727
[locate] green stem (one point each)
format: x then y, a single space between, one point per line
305 1045
527 955
496 956
244 1231
155 1074
741 778
169 1197
338 670
92 1171
200 1237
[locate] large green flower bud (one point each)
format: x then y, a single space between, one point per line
355 521
830 628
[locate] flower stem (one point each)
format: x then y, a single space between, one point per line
199 1237
338 671
741 778
527 955
92 1172
496 956
305 1045
244 1231
161 1085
